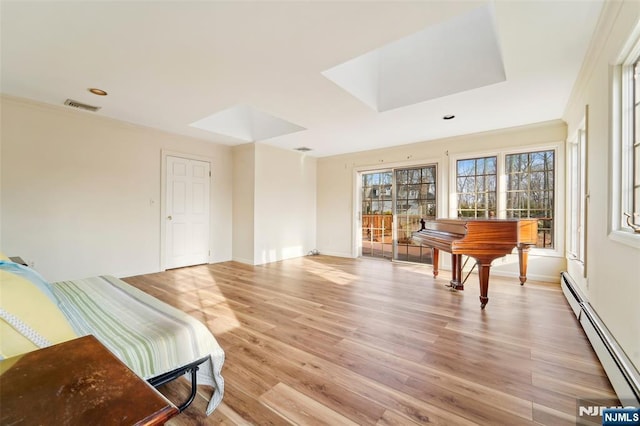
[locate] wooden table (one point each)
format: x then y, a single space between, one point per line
79 382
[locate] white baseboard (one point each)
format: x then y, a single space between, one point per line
622 374
337 254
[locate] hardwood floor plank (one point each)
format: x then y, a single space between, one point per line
465 390
570 374
340 399
436 375
329 372
251 376
391 418
331 327
300 409
250 409
326 340
558 384
588 363
558 402
548 416
472 407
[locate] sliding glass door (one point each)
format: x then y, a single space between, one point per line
415 200
377 214
392 204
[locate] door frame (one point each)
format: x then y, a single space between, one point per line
442 166
163 199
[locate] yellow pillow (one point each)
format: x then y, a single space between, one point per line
25 301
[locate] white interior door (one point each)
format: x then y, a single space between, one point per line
187 212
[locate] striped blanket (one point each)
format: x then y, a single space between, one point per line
148 335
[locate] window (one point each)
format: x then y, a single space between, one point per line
476 186
577 195
530 190
625 164
509 185
634 145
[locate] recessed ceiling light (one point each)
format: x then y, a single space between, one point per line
448 117
98 92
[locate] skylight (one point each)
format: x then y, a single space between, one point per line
450 57
246 123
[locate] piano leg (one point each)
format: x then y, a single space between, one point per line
484 283
435 255
456 272
523 256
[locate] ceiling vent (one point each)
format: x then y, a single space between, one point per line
80 105
303 149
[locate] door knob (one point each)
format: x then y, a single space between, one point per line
170 217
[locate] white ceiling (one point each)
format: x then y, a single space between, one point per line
169 64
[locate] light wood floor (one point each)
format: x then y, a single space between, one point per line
325 340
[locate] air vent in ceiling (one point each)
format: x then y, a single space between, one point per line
303 149
80 105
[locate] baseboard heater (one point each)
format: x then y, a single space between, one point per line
622 374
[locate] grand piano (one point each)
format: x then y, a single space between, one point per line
482 239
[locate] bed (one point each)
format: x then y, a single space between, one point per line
155 340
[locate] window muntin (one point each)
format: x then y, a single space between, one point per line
476 187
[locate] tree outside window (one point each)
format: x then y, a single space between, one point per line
476 187
530 190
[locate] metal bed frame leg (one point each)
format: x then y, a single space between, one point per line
194 390
178 372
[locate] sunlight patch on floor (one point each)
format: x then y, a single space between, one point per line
224 319
329 273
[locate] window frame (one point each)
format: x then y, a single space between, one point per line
622 142
558 176
577 196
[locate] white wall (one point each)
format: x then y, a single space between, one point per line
244 177
336 227
613 268
81 194
285 204
0 179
